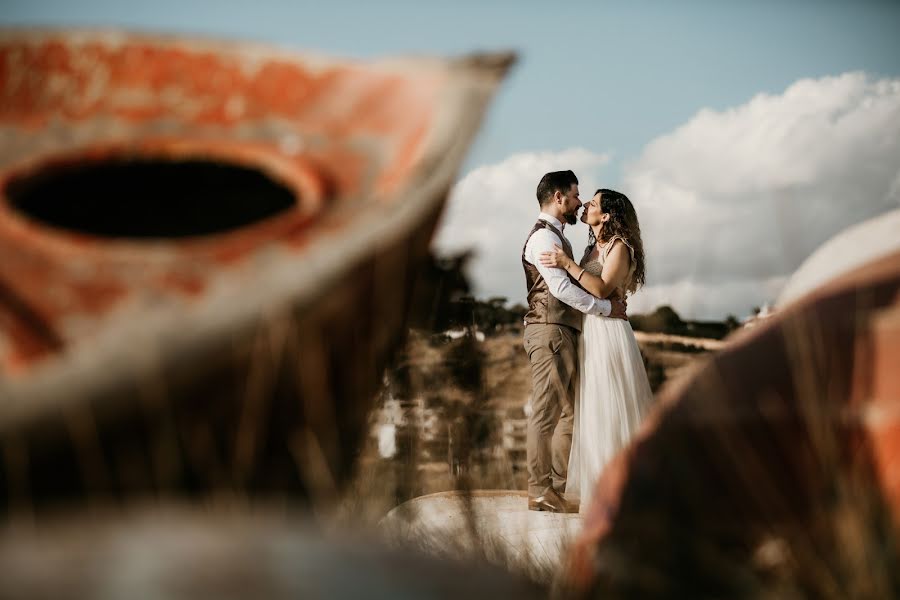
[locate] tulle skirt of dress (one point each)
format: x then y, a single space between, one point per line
614 397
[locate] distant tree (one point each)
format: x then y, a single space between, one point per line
491 315
668 318
439 286
463 361
663 320
519 311
732 323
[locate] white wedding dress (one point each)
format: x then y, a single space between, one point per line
614 395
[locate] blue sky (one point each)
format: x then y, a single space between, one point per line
609 75
611 78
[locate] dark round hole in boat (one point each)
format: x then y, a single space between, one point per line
148 198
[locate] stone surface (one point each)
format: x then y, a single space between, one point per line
181 552
494 522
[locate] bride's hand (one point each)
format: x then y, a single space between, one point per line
557 258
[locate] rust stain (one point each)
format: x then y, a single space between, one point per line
143 83
882 415
407 156
188 284
333 134
30 334
97 295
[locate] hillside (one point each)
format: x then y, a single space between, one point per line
451 413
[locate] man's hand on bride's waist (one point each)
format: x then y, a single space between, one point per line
619 308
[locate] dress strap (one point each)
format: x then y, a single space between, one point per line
609 246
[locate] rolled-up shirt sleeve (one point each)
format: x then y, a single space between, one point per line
557 279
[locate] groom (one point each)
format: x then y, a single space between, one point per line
552 326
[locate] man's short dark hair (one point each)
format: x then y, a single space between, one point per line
557 181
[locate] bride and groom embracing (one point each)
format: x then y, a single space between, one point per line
590 389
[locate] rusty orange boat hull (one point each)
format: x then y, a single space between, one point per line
230 347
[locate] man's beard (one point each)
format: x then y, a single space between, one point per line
571 218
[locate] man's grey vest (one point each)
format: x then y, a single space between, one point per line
544 307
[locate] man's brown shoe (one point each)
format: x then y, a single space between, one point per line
551 501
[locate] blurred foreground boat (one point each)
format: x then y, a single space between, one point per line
180 552
207 252
774 470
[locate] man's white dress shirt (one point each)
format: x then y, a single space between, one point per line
557 279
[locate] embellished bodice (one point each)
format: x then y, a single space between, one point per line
594 266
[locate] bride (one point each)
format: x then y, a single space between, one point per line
614 391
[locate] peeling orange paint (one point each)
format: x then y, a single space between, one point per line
331 133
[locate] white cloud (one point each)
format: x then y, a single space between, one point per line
748 193
730 203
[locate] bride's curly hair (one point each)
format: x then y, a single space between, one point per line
623 222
